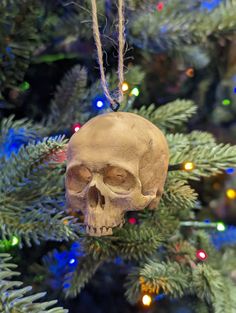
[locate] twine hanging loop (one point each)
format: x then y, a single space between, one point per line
115 103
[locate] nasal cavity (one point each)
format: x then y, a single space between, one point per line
93 196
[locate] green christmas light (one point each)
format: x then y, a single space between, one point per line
220 226
24 86
226 102
135 92
14 241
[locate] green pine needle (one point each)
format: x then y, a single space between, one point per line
14 298
169 116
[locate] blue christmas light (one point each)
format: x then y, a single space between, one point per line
72 261
13 140
160 297
99 104
230 171
66 286
210 4
225 238
118 261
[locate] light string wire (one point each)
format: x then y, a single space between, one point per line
115 103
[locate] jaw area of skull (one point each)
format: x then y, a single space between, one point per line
105 209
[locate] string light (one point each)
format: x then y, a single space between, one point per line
220 226
76 127
14 241
132 220
231 193
210 5
146 300
188 166
99 104
72 261
135 92
230 170
160 6
226 102
201 255
24 86
159 297
190 72
125 87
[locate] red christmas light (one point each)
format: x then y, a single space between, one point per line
132 220
76 127
160 6
201 255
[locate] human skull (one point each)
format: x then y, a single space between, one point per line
116 162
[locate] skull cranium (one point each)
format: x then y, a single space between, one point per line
117 162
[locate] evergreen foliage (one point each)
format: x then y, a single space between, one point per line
19 22
17 299
33 173
180 23
164 260
69 101
158 250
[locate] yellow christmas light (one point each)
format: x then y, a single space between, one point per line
188 166
146 300
231 193
125 87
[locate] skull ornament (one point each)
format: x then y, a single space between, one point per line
116 162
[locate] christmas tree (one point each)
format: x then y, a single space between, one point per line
169 256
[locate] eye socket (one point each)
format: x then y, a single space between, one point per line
118 179
78 177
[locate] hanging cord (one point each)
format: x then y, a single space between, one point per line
115 103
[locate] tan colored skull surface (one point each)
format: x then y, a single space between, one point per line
117 162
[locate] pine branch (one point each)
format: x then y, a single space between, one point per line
131 242
17 41
29 160
8 124
178 142
169 116
208 160
162 220
35 227
178 196
204 242
32 194
138 242
15 133
156 276
210 286
14 298
68 105
77 279
180 23
176 280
